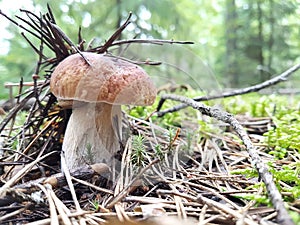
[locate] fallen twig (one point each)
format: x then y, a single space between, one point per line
275 80
58 180
66 171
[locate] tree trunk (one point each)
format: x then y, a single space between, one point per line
260 41
271 38
231 43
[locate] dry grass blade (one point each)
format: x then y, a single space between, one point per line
14 213
66 171
212 203
93 186
20 174
52 208
61 208
124 192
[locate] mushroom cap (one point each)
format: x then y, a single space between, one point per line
106 79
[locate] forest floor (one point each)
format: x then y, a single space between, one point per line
184 165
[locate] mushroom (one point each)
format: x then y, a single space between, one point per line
96 90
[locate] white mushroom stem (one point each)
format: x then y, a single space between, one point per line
92 135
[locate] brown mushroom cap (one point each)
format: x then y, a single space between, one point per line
106 79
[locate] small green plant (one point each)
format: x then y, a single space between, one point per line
138 150
235 105
248 172
158 152
295 217
189 141
89 154
256 105
170 135
139 111
95 205
208 126
290 175
278 152
259 199
286 132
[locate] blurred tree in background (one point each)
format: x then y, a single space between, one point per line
237 42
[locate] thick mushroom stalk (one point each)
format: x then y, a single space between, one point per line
97 91
92 134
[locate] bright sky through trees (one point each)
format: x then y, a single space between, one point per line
10 7
239 43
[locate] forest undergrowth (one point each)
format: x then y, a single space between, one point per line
234 161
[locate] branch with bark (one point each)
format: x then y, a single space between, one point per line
275 80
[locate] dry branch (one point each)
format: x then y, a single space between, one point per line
59 180
275 80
